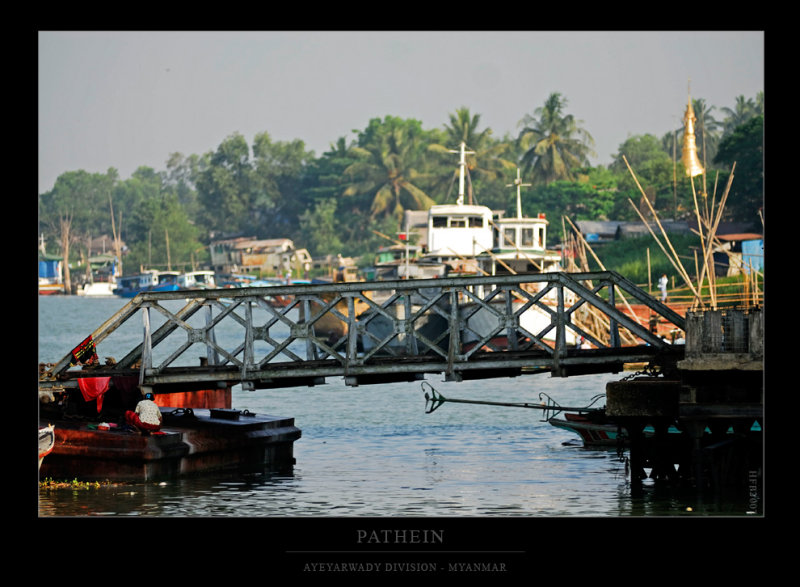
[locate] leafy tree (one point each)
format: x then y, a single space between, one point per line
655 172
180 177
71 209
577 200
555 145
158 230
745 147
278 197
319 228
224 187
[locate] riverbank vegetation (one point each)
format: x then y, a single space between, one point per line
338 201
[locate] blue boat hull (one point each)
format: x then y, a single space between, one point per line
132 293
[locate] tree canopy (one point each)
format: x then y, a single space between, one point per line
337 202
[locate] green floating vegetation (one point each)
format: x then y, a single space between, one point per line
50 483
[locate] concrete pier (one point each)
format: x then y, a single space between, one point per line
715 399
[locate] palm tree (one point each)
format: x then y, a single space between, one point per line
743 110
554 144
485 159
386 170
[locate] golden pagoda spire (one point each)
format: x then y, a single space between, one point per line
689 154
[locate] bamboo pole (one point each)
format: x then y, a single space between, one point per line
712 230
678 267
602 267
676 260
701 275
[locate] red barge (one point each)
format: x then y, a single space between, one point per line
200 434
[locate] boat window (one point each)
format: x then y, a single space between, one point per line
509 237
458 222
527 237
439 221
476 221
541 237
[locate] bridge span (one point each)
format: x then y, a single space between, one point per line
373 332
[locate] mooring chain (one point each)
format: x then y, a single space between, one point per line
650 370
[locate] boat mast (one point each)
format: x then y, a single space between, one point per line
462 165
519 184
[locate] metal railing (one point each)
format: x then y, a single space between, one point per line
382 331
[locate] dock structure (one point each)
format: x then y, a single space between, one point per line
715 398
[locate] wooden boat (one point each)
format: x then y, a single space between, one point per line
191 441
593 433
598 433
200 433
47 441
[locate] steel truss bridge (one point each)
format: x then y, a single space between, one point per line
375 332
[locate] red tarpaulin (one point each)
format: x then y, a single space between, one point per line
93 388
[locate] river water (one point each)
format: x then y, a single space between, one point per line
372 451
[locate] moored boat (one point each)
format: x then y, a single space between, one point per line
95 439
102 279
197 280
47 440
593 433
518 247
191 441
458 233
597 432
98 289
50 275
147 281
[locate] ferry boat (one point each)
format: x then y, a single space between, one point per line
149 280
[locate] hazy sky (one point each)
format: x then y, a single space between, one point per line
126 99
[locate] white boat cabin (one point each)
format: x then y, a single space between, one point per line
459 230
151 278
197 280
520 247
523 234
520 244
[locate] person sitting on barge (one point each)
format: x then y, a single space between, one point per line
147 415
